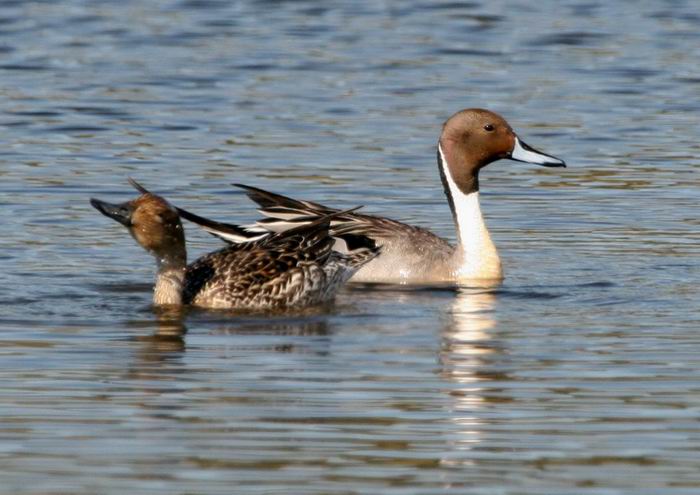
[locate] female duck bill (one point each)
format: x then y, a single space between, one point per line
120 212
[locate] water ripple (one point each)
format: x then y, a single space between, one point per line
578 375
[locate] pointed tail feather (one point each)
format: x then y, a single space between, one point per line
314 222
227 231
276 204
287 217
311 240
356 250
236 234
314 230
138 186
283 213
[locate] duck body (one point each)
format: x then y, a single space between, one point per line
292 269
288 272
411 255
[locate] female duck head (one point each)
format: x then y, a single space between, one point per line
153 223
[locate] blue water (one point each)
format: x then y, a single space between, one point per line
579 375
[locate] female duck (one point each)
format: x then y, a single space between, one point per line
470 140
289 270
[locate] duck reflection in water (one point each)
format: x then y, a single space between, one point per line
167 341
467 346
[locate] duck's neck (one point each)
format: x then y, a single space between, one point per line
170 280
476 256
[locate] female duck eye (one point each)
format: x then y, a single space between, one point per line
489 127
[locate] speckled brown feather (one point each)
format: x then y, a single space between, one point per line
290 269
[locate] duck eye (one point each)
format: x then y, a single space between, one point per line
489 127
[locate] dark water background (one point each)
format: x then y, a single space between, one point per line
580 375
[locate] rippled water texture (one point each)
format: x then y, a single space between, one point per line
580 375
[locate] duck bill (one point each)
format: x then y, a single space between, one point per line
525 153
120 212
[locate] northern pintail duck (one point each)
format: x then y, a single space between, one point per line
470 140
292 269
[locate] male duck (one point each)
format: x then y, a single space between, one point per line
470 140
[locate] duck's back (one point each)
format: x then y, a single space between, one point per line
291 269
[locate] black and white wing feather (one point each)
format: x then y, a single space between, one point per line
283 213
298 267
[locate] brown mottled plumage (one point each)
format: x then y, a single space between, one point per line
295 268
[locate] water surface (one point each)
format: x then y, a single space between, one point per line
579 375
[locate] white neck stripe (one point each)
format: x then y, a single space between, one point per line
459 199
478 256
